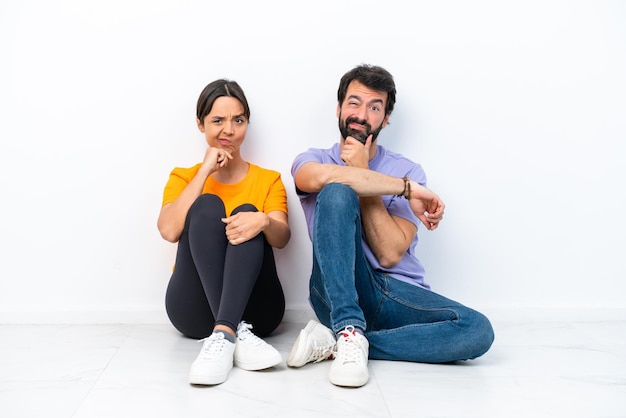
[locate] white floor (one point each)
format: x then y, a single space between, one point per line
534 369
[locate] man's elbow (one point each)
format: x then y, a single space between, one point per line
389 259
314 176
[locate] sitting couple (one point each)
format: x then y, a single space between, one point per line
363 205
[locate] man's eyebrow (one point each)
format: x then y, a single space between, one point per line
376 100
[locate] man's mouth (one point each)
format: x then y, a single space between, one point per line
357 126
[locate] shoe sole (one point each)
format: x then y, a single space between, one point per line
260 365
196 379
297 356
353 382
349 383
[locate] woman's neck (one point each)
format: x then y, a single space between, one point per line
234 172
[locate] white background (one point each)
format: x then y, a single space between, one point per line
516 110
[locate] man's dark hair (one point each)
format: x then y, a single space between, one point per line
373 77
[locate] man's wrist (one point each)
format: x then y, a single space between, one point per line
406 188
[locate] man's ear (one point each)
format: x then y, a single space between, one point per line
385 121
338 111
200 125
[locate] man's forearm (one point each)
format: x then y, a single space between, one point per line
367 182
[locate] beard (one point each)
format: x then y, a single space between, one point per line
359 135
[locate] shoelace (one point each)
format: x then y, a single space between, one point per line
322 352
212 346
351 351
244 334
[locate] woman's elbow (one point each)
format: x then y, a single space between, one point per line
173 238
168 234
283 241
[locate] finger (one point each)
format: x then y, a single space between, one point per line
351 140
236 241
368 141
435 216
424 219
436 208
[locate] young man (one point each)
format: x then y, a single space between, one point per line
363 204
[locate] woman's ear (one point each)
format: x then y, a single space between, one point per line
200 125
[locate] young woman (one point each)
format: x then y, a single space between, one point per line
226 214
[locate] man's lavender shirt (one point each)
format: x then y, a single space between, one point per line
409 269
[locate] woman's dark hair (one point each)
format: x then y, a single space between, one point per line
220 88
373 77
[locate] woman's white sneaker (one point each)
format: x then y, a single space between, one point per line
350 365
215 360
251 352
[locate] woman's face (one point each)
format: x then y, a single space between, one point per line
225 126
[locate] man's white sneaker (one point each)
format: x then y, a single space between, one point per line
251 352
350 365
315 343
215 360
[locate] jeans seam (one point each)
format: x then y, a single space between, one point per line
404 302
319 297
380 283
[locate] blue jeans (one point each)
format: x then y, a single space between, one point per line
401 321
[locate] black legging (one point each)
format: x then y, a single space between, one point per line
215 282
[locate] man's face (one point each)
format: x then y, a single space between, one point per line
361 109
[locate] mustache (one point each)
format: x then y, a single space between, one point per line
364 123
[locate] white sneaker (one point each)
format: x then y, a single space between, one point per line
251 352
215 360
315 343
350 365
